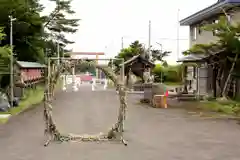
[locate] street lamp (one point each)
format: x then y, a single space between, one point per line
11 60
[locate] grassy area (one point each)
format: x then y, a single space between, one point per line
3 120
30 99
225 107
33 96
173 83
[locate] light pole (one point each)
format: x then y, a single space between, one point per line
178 11
11 60
149 39
122 43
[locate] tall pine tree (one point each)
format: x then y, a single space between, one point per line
58 25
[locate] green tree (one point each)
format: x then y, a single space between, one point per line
158 55
158 72
228 42
229 39
58 25
27 28
135 48
4 61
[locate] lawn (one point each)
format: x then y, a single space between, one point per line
32 97
173 83
3 120
225 107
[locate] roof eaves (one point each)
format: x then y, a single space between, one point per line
130 60
24 64
204 13
191 58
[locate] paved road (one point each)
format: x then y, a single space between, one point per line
153 134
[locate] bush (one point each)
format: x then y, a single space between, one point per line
169 74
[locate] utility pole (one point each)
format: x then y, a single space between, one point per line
178 34
149 40
122 42
11 61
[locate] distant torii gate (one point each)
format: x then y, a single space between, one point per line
78 55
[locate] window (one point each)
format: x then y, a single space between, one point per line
194 36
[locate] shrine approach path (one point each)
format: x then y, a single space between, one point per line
152 134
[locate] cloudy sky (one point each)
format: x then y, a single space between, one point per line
104 22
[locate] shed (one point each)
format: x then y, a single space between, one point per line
137 65
30 72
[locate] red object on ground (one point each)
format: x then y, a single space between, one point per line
86 78
166 94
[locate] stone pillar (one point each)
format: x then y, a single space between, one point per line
93 84
74 86
64 82
105 84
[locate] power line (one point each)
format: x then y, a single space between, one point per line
169 39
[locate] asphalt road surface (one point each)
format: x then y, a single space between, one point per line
152 134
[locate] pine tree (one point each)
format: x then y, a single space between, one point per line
58 25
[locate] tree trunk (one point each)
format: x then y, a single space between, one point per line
224 93
214 82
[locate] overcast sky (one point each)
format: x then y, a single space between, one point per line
104 22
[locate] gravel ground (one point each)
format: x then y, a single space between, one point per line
152 134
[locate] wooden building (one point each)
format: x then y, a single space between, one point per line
137 65
30 72
27 74
208 74
195 76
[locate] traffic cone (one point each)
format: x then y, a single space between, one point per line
165 99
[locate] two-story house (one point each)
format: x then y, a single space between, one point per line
210 15
195 22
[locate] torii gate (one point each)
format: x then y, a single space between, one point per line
79 55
